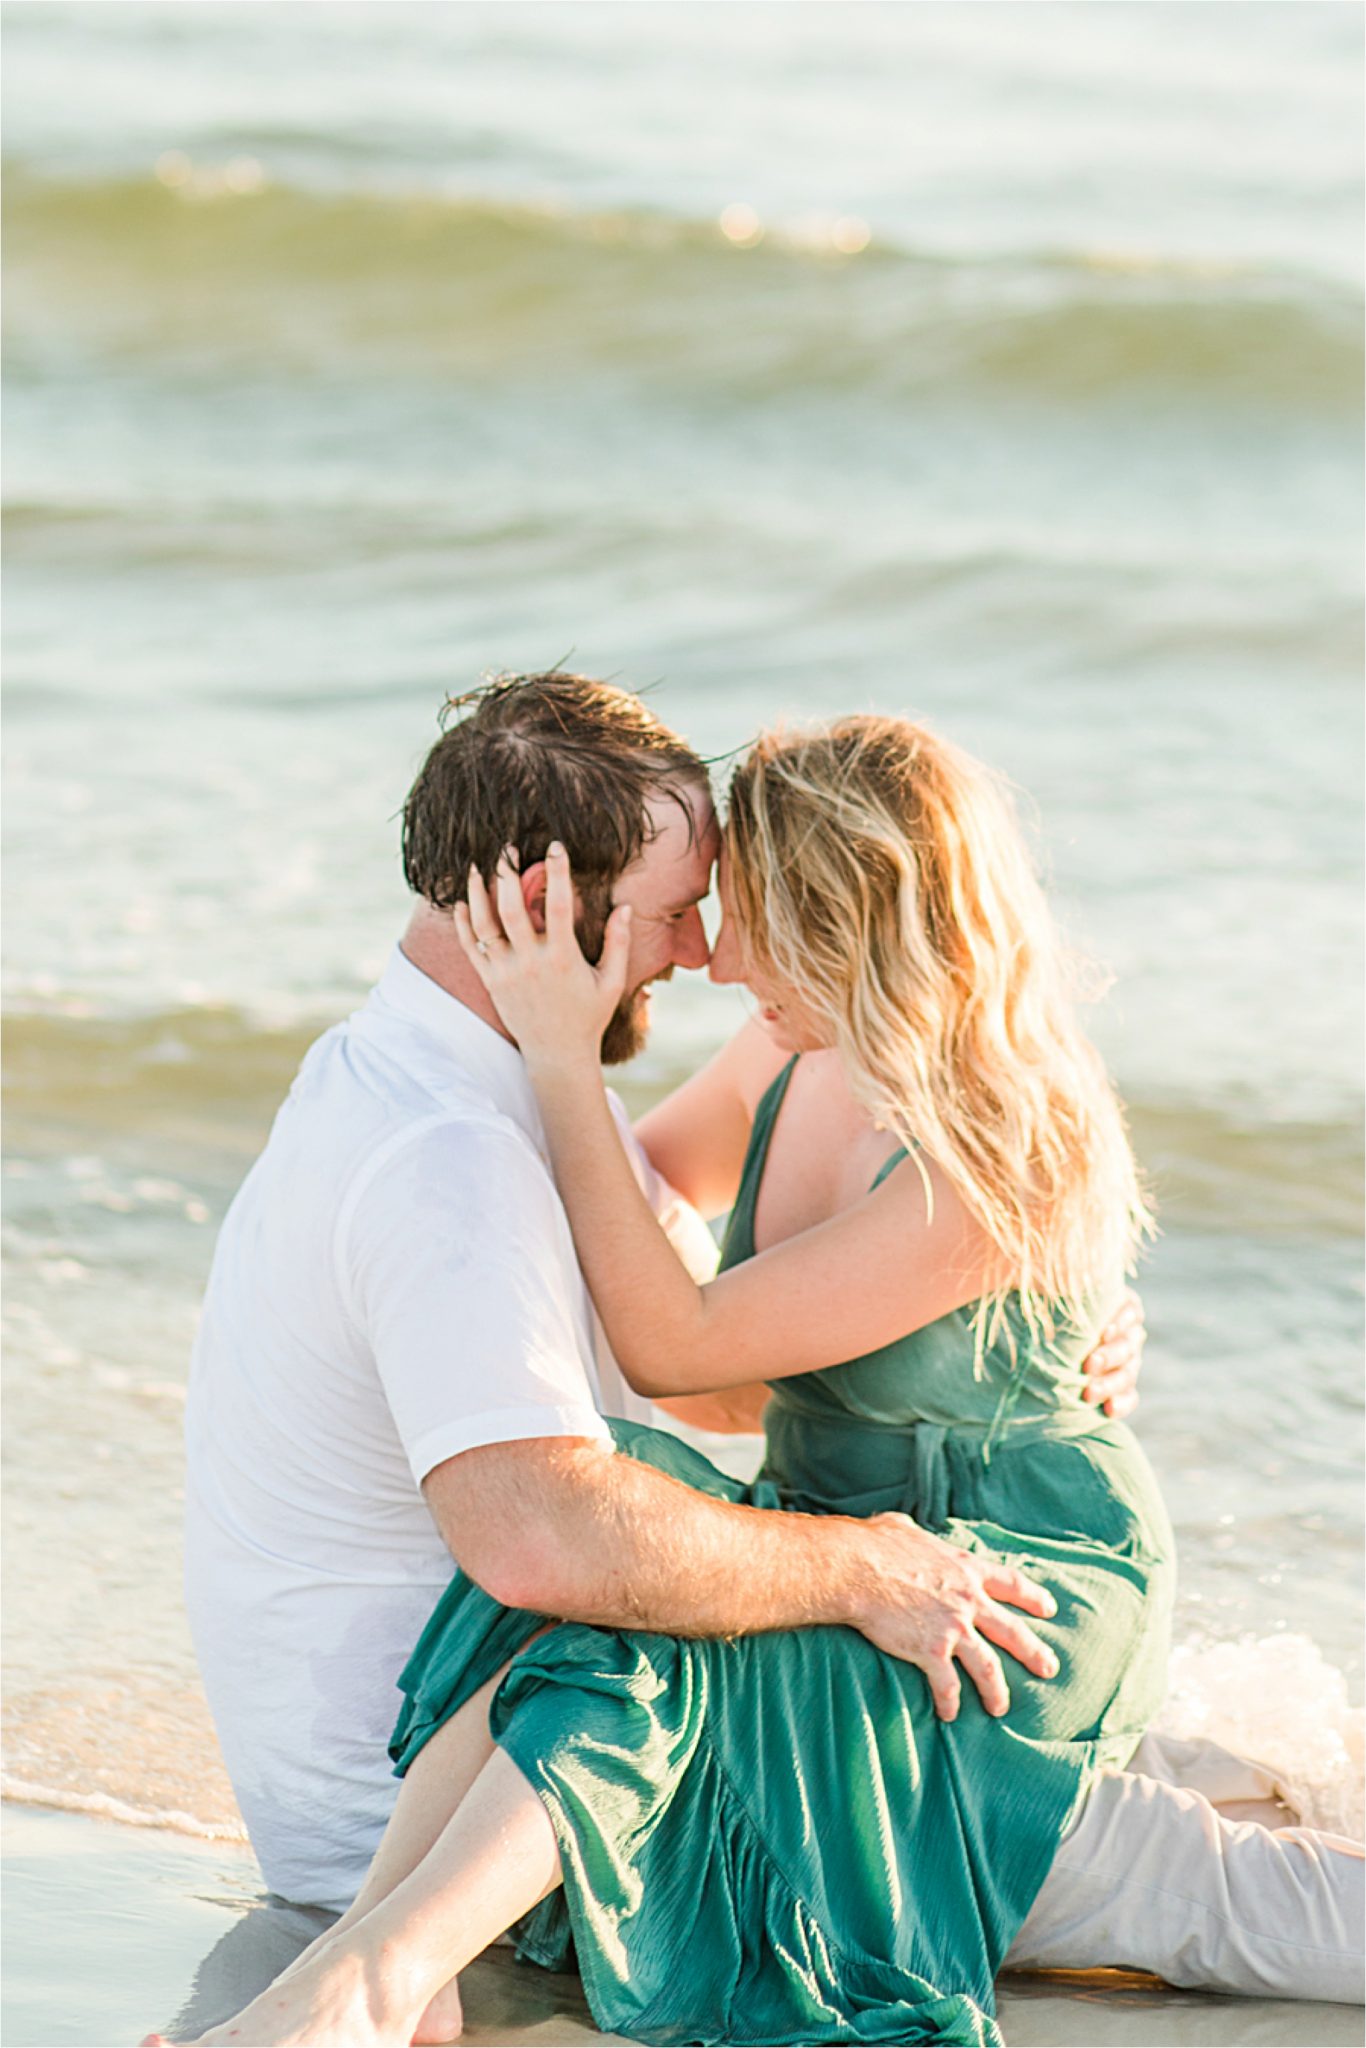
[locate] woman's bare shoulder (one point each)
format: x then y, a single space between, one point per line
752 1063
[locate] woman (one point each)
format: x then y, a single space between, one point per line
780 1839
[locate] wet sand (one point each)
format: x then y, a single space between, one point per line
110 1930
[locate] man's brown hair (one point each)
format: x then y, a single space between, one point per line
535 758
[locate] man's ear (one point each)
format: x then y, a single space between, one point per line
533 893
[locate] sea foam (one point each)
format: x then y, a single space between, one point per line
23 1792
1278 1700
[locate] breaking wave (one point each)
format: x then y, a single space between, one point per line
221 261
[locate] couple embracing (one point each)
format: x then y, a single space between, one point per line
800 1760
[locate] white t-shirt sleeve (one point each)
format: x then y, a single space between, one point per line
458 1264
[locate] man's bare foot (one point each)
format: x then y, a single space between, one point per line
337 2001
444 2019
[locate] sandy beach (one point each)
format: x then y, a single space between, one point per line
109 1930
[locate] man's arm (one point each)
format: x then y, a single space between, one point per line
566 1527
736 1411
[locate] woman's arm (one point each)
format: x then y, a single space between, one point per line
886 1266
697 1137
889 1265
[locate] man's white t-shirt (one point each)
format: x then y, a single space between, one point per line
394 1283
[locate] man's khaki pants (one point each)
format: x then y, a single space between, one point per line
1164 1870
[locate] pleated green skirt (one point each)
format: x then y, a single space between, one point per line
775 1839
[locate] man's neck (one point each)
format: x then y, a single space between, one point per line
430 943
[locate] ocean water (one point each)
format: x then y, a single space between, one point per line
999 365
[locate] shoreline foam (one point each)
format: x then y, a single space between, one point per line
103 1806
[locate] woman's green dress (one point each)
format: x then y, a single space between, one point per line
775 1839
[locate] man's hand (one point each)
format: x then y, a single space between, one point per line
1112 1369
936 1606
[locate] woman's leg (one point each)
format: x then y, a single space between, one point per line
438 1778
434 1785
370 1986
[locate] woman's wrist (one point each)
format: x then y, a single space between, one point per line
554 1069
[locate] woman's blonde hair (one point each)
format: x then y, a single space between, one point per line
882 874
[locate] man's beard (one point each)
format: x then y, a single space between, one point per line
627 1028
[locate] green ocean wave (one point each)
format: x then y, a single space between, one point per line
243 271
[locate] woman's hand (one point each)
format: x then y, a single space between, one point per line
555 1004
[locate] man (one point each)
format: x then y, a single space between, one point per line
398 1362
